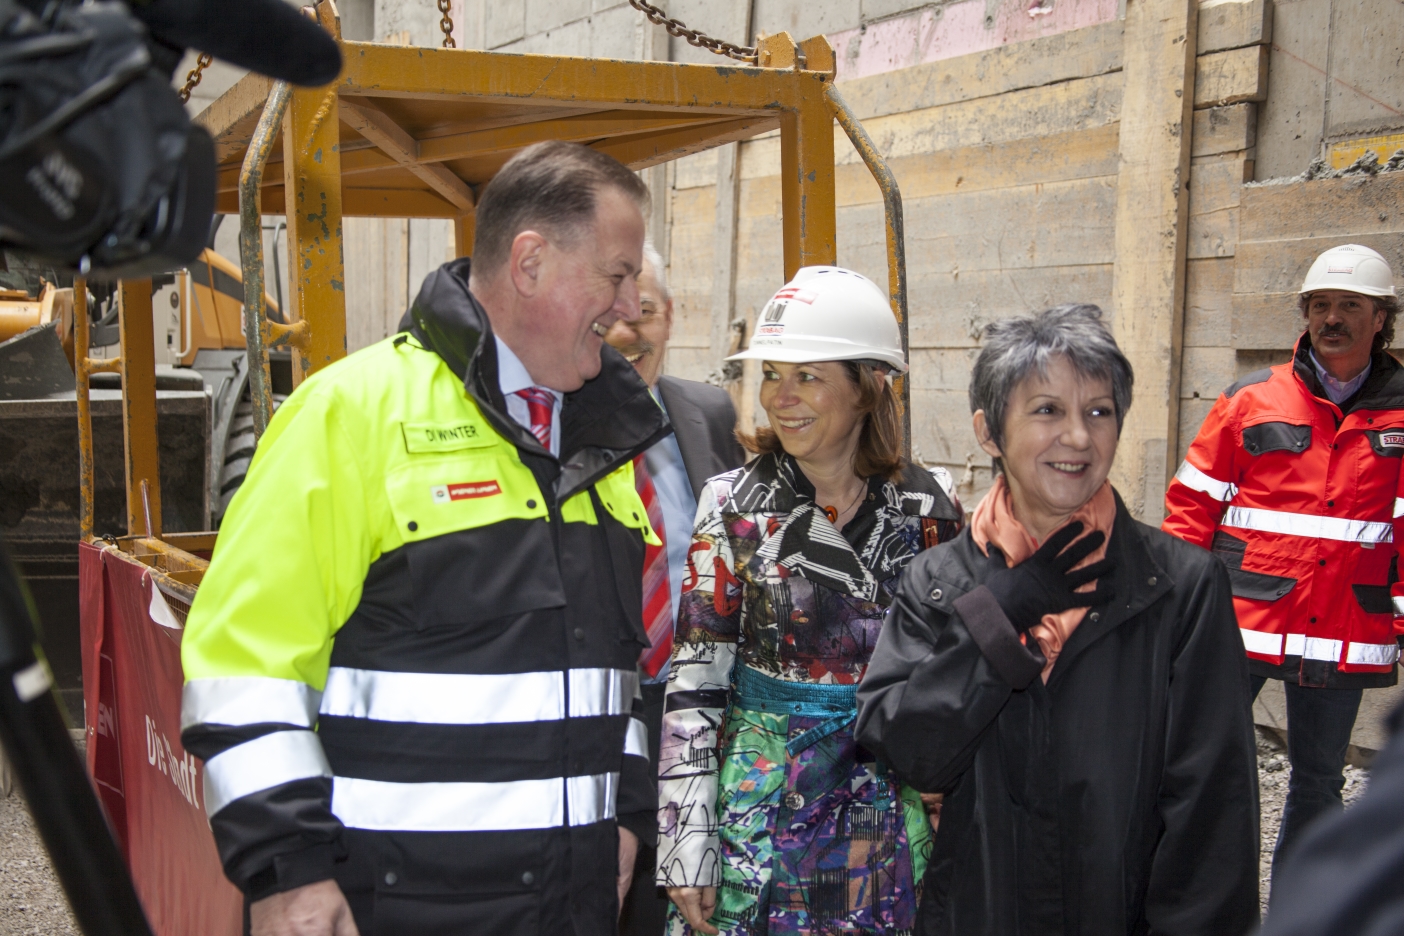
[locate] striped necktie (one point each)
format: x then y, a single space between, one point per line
541 404
657 598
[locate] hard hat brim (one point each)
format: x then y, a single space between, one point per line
1353 288
803 356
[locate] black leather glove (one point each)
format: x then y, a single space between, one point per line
1043 584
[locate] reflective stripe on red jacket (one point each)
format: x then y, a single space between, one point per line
1302 501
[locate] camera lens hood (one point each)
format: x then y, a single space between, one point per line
267 36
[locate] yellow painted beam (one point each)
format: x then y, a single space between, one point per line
312 187
138 369
550 80
601 131
464 227
231 117
356 203
378 127
807 184
651 149
585 128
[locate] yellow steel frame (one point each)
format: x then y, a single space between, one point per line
416 132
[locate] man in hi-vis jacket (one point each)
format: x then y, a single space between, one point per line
1294 482
411 667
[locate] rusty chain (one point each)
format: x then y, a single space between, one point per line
192 78
446 23
694 37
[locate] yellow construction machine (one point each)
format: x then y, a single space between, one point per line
205 421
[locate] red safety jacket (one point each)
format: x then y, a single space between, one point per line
1301 499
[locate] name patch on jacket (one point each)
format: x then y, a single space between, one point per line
1389 442
448 493
445 437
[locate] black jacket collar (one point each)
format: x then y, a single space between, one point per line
1383 389
611 418
1139 581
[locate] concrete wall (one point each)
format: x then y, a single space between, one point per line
1336 74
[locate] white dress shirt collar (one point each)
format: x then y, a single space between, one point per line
512 376
1338 390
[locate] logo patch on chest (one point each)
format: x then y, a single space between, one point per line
448 493
1386 443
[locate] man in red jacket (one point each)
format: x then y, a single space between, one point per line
1294 482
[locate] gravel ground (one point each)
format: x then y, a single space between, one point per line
30 898
31 901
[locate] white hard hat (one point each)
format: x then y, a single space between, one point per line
1352 268
827 313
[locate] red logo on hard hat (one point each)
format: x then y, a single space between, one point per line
798 294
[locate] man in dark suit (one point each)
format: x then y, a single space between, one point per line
670 477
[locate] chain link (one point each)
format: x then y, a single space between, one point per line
192 78
694 37
446 23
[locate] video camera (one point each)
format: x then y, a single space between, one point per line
104 174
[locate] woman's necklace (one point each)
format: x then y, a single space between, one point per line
833 514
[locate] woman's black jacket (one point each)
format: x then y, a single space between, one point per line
1121 797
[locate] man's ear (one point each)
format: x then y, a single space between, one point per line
668 318
982 434
525 261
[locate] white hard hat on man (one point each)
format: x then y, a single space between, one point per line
827 313
1352 268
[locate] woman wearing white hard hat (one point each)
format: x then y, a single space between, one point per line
772 819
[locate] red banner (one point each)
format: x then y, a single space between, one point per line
152 789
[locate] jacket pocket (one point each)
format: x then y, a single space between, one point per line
1276 437
472 576
433 495
1259 586
1373 599
484 882
1256 586
1228 549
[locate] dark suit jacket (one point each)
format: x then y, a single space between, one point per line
705 423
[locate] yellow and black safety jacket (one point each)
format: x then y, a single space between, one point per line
411 665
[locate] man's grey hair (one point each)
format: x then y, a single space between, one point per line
1016 348
660 275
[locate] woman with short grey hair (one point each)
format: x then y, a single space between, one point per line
1017 347
1069 679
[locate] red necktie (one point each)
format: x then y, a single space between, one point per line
540 406
657 598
